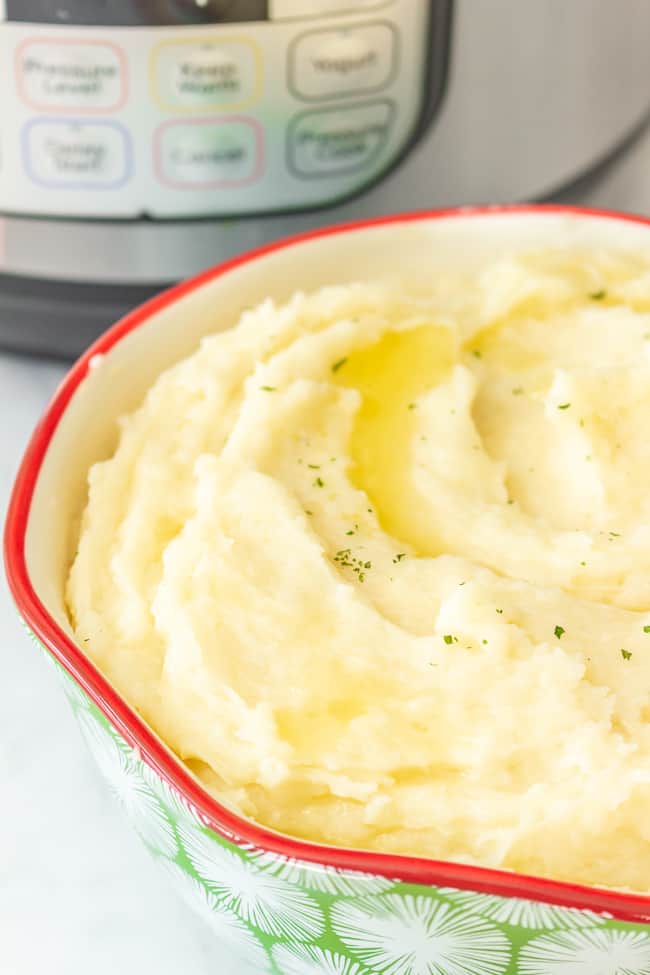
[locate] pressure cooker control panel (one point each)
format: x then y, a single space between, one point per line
176 119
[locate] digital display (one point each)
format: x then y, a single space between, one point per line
135 13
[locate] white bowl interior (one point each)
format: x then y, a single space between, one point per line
88 429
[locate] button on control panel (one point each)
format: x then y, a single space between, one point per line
207 75
339 140
209 152
73 75
263 116
333 63
77 154
284 9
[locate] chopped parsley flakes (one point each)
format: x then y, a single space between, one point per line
564 406
346 560
269 389
399 557
598 295
319 482
646 629
626 654
448 638
559 631
339 363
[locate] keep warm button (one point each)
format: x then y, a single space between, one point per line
190 77
335 141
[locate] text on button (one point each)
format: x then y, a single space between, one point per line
77 155
191 76
71 75
336 63
332 141
209 152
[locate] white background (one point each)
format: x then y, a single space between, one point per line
78 893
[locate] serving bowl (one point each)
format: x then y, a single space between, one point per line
282 905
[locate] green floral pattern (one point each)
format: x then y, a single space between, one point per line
279 916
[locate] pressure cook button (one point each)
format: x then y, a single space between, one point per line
77 155
68 74
208 153
219 75
329 63
328 142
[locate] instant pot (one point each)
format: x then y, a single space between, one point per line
143 140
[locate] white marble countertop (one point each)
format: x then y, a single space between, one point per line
78 893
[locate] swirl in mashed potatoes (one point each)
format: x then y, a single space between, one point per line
376 565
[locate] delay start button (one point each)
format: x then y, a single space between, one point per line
329 142
77 155
330 63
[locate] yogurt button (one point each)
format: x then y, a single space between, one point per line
288 9
326 63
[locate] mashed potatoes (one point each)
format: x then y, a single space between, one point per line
376 565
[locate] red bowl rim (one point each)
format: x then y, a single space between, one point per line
409 869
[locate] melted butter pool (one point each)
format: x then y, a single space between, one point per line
390 375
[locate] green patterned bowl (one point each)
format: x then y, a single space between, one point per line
276 904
